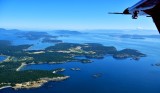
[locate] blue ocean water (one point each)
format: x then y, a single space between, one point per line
2 58
118 76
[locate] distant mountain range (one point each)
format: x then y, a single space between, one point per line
34 35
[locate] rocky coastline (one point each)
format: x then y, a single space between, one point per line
38 83
5 87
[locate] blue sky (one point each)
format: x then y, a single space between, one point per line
68 14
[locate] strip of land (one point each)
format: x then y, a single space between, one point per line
20 67
39 83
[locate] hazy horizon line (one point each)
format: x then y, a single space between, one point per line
70 29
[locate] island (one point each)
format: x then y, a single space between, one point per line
59 70
33 35
156 64
18 56
51 40
75 69
68 32
134 36
97 75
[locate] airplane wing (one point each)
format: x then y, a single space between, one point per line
156 20
146 3
155 14
151 7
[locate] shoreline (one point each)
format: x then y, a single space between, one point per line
5 87
21 66
39 83
35 84
7 58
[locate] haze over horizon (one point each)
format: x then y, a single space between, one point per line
69 14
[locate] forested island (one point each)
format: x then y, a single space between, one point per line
32 35
17 56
